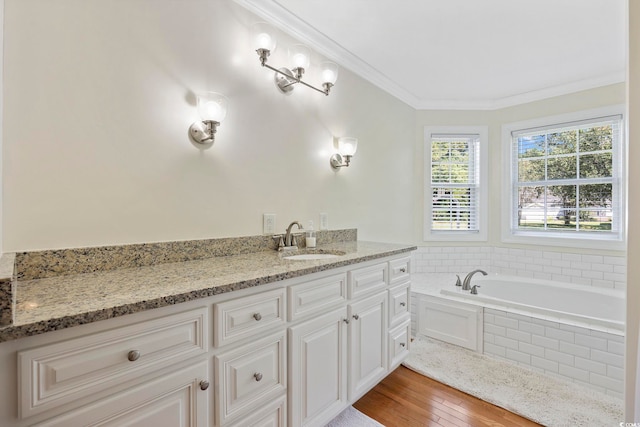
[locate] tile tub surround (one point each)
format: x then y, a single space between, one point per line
59 302
562 266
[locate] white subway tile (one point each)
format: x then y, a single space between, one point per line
545 342
576 350
495 329
603 283
518 356
576 329
494 350
571 272
592 259
557 356
616 277
573 373
620 269
590 365
534 350
545 323
591 342
606 382
531 327
557 262
559 334
506 342
607 336
543 276
608 358
519 317
551 269
613 347
571 257
505 321
591 274
615 372
518 335
488 337
581 281
547 365
615 260
605 268
578 265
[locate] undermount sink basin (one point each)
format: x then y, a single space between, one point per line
308 257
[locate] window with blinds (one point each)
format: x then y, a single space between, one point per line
566 178
454 183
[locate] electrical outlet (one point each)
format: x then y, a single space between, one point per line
268 223
324 221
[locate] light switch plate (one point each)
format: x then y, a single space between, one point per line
324 221
268 223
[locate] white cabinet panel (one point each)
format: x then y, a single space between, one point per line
399 270
317 296
399 344
364 281
399 303
174 400
66 372
317 362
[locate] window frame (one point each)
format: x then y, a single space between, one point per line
483 186
609 241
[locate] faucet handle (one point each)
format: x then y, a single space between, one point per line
280 239
458 282
474 289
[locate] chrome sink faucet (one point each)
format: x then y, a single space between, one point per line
289 240
466 283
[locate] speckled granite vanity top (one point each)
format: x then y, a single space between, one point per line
60 289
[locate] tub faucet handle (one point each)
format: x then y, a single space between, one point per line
474 289
458 281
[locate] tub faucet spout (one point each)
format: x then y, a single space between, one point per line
466 283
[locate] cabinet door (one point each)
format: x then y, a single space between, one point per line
317 363
173 400
367 343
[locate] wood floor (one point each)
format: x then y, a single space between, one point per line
407 399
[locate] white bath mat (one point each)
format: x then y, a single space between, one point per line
543 399
351 417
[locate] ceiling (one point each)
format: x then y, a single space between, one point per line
463 54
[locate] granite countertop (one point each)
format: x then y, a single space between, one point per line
58 302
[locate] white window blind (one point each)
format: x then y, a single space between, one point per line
567 178
454 183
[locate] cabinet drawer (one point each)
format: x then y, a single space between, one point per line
317 296
272 415
366 280
174 399
76 371
399 343
250 376
399 303
243 317
399 270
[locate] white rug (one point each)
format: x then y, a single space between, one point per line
541 398
351 417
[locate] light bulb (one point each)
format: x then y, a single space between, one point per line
347 146
263 37
299 55
212 106
329 72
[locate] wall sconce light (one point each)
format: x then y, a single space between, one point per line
285 78
212 108
347 147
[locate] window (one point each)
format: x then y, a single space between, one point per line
454 178
566 179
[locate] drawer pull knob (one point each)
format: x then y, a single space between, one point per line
257 376
355 316
133 355
204 384
403 270
257 316
402 344
346 321
402 304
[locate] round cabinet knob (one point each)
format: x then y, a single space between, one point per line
257 316
355 316
257 376
402 304
403 270
402 344
346 321
133 355
204 384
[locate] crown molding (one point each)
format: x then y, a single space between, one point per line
281 18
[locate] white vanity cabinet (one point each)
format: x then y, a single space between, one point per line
286 354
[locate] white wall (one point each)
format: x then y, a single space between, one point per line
595 98
632 361
98 99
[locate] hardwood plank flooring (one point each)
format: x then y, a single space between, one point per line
407 399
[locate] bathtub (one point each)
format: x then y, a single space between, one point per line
586 306
571 331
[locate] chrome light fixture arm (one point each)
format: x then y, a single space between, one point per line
288 77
